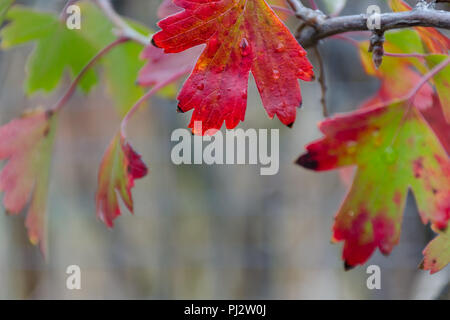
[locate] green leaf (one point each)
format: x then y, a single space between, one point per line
57 48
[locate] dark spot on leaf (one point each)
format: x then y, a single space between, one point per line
179 110
348 266
154 43
422 265
308 162
49 113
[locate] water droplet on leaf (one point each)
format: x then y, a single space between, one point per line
351 147
245 47
377 139
276 74
389 155
279 47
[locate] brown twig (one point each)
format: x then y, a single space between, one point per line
320 26
321 79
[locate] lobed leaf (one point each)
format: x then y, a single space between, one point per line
26 143
240 36
120 166
57 48
394 150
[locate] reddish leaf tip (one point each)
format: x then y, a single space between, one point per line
154 43
347 266
120 166
179 110
308 162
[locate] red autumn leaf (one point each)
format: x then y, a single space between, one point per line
240 36
394 151
167 8
26 144
120 166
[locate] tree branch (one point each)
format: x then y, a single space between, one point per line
318 26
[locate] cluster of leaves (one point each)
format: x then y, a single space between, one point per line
56 49
397 141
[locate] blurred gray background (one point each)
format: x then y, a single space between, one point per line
199 232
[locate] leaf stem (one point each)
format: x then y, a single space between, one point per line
149 94
62 101
322 82
282 9
406 55
345 38
438 68
123 28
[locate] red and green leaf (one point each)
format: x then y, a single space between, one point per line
437 253
240 36
120 166
394 150
26 143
